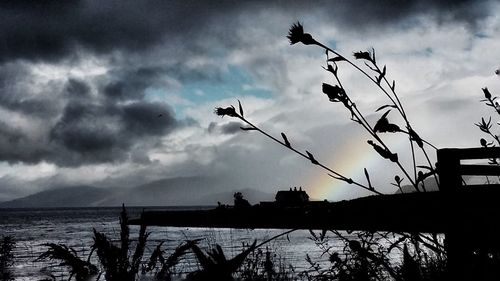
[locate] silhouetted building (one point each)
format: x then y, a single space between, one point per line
292 197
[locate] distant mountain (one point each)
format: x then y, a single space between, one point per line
197 191
75 196
183 191
430 185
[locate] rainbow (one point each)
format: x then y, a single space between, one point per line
353 155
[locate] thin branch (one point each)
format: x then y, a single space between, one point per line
336 174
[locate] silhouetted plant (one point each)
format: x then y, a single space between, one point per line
163 266
215 265
486 126
81 269
117 261
367 256
7 245
337 93
265 265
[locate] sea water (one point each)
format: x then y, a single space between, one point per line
32 229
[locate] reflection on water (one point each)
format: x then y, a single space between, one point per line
31 228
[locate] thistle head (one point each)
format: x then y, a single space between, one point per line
364 55
229 111
296 34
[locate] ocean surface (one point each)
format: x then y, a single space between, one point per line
32 228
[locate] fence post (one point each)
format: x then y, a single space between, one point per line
448 169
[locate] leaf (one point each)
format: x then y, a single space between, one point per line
323 234
381 76
384 152
311 157
338 58
234 263
415 137
383 125
385 106
313 234
334 93
368 179
385 114
287 143
371 68
393 87
248 128
241 108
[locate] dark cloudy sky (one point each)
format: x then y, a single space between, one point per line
82 84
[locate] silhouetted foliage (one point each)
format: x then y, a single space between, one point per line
7 245
81 269
215 265
117 262
163 266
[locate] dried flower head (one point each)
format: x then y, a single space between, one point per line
362 55
397 179
487 93
229 111
384 152
483 142
383 125
335 93
296 34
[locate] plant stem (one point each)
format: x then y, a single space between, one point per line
337 175
355 111
276 236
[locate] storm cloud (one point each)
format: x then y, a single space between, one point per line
73 121
52 30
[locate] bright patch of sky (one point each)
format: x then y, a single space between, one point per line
235 81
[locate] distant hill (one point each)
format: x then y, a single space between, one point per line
430 185
75 196
183 191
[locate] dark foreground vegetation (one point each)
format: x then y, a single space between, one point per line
362 255
370 256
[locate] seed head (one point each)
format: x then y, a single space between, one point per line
487 93
296 34
229 111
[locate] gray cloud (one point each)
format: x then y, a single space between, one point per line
94 133
374 14
78 121
228 128
51 30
